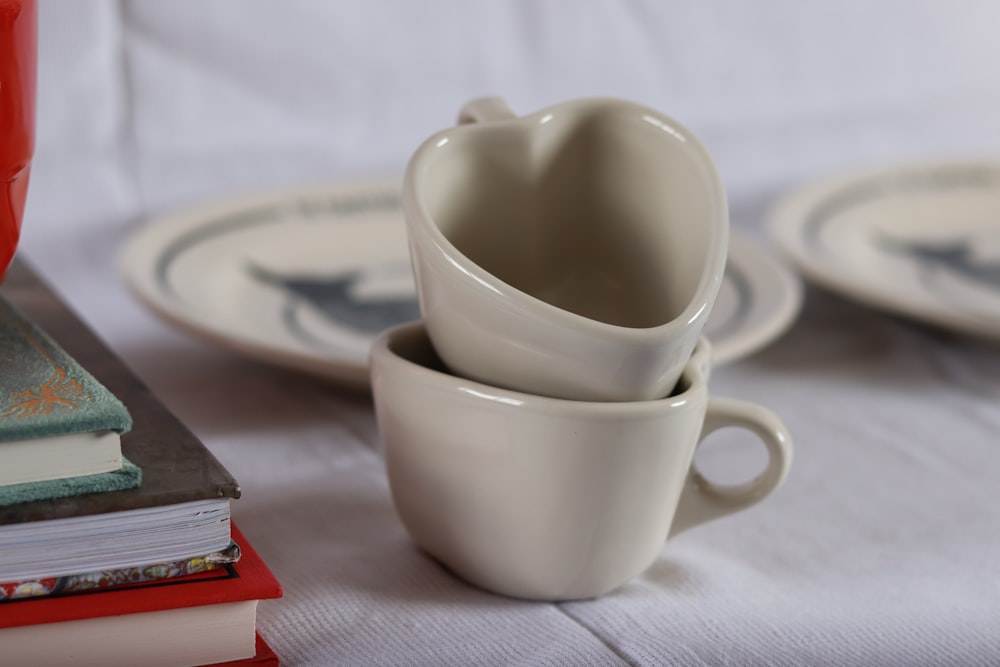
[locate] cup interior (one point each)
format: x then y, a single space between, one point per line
411 346
414 346
597 209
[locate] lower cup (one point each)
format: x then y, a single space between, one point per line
551 499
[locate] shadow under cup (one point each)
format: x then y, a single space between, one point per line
18 54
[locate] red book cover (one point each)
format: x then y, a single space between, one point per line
248 579
264 657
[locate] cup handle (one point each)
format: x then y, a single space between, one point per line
485 110
701 499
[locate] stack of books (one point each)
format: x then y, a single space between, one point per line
117 545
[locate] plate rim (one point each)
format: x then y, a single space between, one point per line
787 218
142 249
744 250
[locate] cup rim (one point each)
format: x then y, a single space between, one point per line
382 356
709 283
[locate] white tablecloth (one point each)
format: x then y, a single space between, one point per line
883 547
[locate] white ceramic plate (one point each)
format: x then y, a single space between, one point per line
921 241
306 278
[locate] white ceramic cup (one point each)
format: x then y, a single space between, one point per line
551 499
575 252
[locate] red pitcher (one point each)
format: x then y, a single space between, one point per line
18 36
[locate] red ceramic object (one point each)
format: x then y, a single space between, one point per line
18 54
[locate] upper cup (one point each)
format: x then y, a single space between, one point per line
575 252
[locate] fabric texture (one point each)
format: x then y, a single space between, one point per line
128 477
881 548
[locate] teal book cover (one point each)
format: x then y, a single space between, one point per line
128 476
44 392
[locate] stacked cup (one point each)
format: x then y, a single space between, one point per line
539 424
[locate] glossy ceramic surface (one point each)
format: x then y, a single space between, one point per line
307 278
544 498
575 252
918 240
18 28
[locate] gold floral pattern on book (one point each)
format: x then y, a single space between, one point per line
59 392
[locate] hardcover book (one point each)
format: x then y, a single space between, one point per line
181 509
56 419
201 620
265 657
